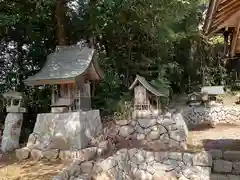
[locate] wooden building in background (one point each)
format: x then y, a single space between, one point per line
223 18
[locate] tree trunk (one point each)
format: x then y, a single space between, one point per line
61 19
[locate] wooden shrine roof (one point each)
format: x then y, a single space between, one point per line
149 87
221 14
65 65
213 90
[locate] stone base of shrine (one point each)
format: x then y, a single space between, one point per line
65 131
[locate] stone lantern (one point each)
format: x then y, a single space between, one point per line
14 102
13 121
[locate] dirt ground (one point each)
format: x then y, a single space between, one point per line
223 136
11 169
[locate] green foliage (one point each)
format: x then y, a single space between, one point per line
159 40
124 110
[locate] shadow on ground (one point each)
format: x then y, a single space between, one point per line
223 136
223 144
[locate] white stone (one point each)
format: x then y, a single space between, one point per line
66 155
161 156
51 154
108 163
103 147
82 177
145 123
132 152
173 144
12 130
157 145
74 169
103 176
175 156
22 153
139 129
154 128
142 175
153 135
87 154
160 175
171 164
150 157
175 135
75 129
138 158
125 131
122 122
183 178
202 159
164 138
188 159
162 129
140 137
36 154
86 167
192 173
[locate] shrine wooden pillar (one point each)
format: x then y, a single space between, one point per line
226 43
53 95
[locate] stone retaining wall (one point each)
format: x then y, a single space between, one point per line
136 164
160 133
53 154
196 115
226 165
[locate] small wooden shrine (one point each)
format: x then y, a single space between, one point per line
146 98
69 70
194 99
213 91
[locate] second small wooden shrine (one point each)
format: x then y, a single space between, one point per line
146 98
70 70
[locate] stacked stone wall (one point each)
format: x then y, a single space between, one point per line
213 115
160 133
226 165
136 164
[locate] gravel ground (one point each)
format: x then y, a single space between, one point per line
223 136
11 169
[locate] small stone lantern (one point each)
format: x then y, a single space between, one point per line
14 102
13 121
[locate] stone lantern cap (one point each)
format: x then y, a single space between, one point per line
14 102
13 95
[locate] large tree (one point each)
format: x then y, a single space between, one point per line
157 39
